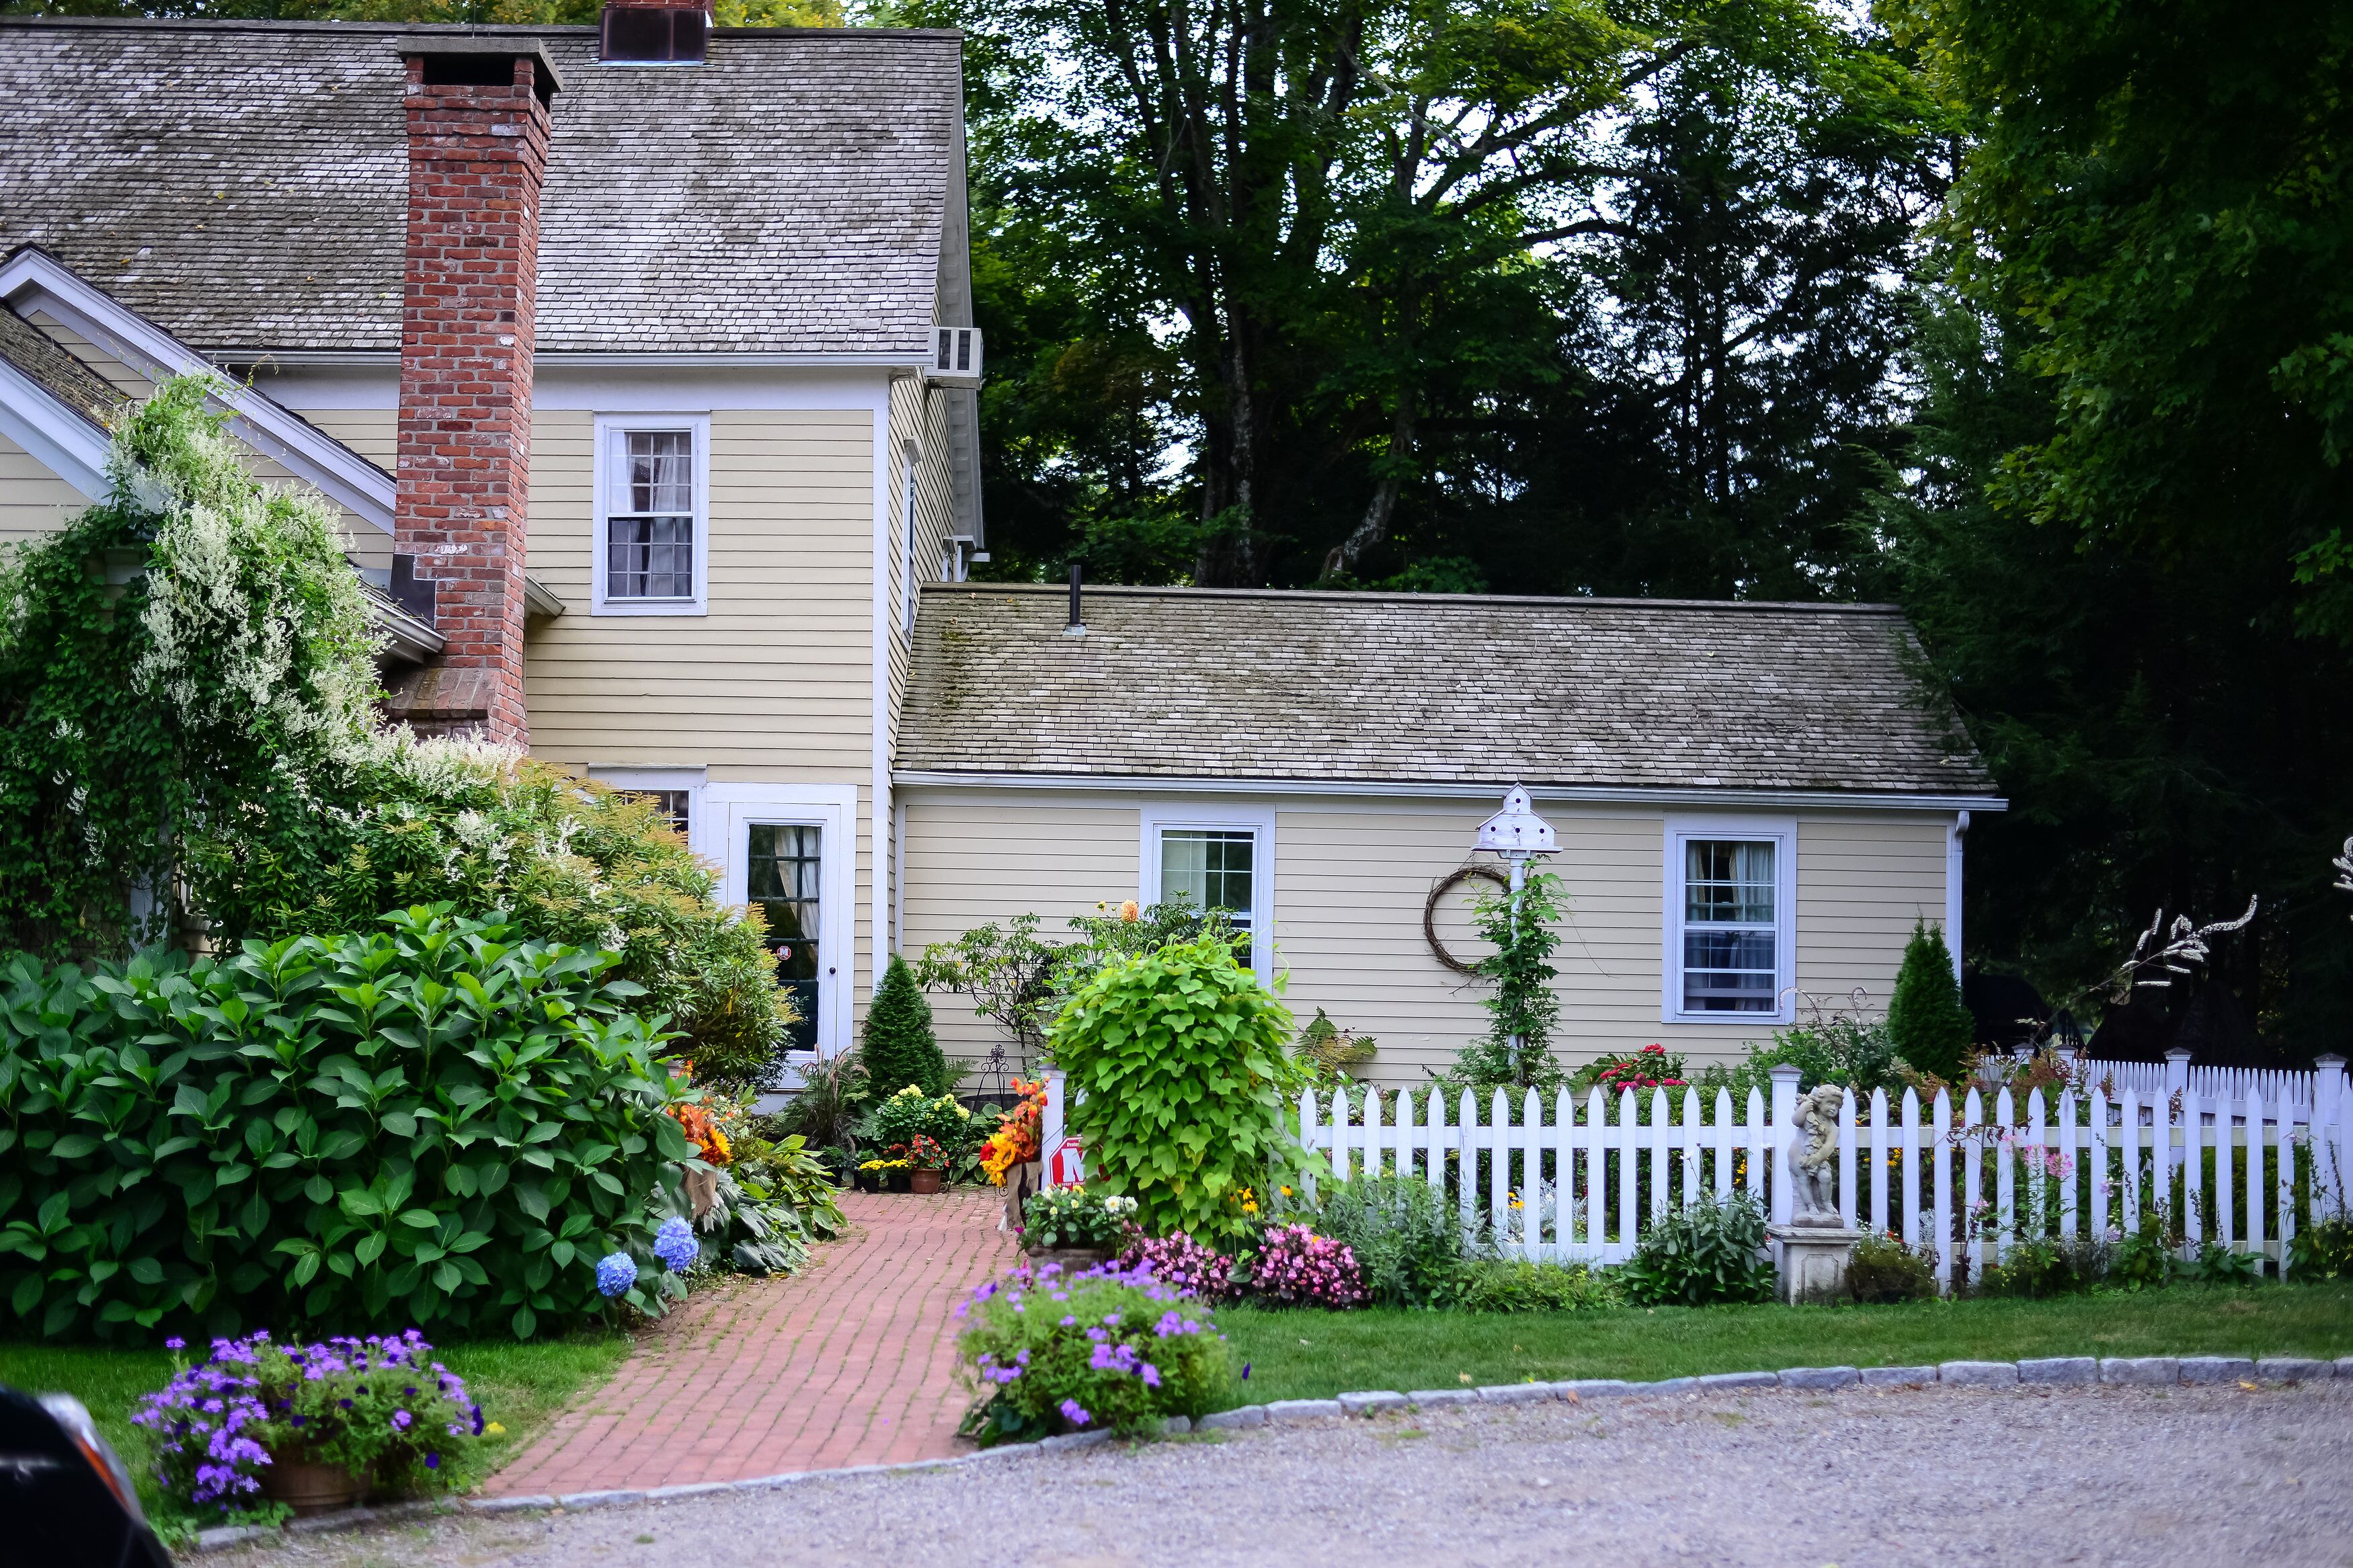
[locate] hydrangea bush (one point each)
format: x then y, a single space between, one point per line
1106 1349
1297 1267
380 1407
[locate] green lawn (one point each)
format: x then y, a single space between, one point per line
520 1386
1315 1355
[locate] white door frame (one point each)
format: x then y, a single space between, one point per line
723 833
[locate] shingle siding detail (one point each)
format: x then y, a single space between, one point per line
245 185
1184 683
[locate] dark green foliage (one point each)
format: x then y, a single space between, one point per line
1407 1235
1516 1053
433 1125
898 1048
1883 1270
2323 1250
2044 1266
1493 1286
1927 1024
1701 1255
1181 1087
1841 1050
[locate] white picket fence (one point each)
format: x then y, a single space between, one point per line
1970 1185
2269 1085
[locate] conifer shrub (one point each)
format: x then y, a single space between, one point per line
1927 1022
898 1046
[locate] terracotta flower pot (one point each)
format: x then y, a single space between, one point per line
309 1487
924 1181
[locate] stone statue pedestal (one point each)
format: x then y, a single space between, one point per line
1812 1260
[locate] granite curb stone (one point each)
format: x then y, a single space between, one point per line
1595 1388
1232 1420
1821 1377
1289 1410
1723 1381
1977 1373
1897 1376
1517 1394
2345 1366
1664 1385
2066 1369
612 1498
1172 1426
1437 1396
689 1489
1067 1441
2140 1369
1376 1399
508 1504
2294 1369
2216 1369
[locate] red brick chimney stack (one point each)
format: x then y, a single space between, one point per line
478 133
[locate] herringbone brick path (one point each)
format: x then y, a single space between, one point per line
851 1361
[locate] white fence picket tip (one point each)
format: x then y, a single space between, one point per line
2162 1369
2217 1369
1898 1376
1821 1377
1365 1402
2060 1369
1977 1373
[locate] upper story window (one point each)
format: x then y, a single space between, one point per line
652 514
1729 921
1221 859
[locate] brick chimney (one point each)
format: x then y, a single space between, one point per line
478 130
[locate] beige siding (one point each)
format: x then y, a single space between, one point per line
1351 879
103 360
975 857
33 500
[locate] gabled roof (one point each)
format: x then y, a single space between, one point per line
245 184
1426 689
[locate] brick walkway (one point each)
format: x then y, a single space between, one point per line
851 1361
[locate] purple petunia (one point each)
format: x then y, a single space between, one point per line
1074 1413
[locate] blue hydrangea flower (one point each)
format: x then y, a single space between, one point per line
615 1272
674 1245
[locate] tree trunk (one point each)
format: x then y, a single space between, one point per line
1375 526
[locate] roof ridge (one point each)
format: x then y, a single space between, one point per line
1356 596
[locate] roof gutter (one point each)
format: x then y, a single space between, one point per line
1621 795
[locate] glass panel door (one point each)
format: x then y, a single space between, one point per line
782 880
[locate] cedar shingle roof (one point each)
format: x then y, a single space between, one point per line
55 372
1195 683
245 184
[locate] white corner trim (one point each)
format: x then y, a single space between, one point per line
881 815
721 833
1783 832
1955 855
1225 816
609 425
34 280
60 438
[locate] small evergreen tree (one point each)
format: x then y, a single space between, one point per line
1925 1021
898 1046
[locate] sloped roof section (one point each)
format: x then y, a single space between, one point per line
47 365
1426 689
245 184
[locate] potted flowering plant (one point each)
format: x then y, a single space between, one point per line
893 1174
1074 1227
927 1163
314 1426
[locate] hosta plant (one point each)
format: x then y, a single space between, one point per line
433 1122
1103 1349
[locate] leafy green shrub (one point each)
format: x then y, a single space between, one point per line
1407 1237
2323 1250
2142 1259
1494 1286
1701 1254
2216 1264
1094 1351
1927 1022
1842 1049
897 1047
1516 1053
1178 1084
2044 1266
1073 1217
1883 1270
434 1122
911 1114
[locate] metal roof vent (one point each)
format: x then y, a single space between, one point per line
637 34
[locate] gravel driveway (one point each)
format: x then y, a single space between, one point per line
2208 1477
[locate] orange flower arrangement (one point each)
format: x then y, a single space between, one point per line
702 1132
1016 1140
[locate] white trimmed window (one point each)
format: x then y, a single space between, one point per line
1221 860
1730 898
653 506
671 791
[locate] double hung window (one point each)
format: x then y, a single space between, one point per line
1729 921
1221 859
652 515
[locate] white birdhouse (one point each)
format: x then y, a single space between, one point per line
1516 831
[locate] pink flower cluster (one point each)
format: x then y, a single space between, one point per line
1196 1271
1297 1267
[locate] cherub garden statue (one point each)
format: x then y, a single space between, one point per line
1813 1148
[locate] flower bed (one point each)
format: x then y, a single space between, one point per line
1101 1350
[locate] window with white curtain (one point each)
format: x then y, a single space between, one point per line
652 514
1729 925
